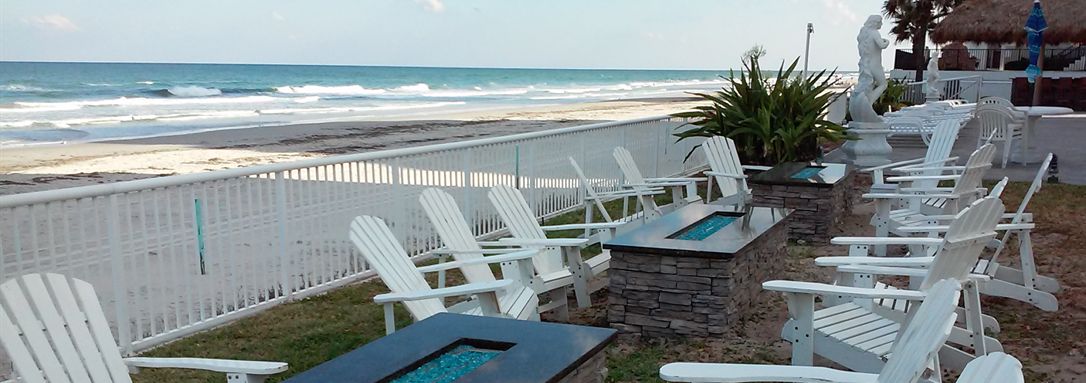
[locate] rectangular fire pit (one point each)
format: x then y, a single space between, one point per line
466 348
821 195
693 272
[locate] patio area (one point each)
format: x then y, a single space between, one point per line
1050 345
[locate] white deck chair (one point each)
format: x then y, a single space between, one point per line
459 242
937 155
594 199
527 232
854 331
57 332
502 298
909 360
997 124
1024 284
925 200
634 180
729 172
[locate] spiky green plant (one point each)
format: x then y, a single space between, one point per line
772 119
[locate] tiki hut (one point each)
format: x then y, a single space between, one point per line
1002 21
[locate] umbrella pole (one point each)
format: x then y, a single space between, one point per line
1040 76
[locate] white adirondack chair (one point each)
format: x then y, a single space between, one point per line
997 124
527 232
634 180
728 170
1026 284
500 298
908 361
58 333
924 200
937 155
594 199
459 242
854 330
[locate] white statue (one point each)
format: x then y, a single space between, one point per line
870 44
931 87
859 105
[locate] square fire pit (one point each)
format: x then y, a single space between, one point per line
693 272
466 348
820 194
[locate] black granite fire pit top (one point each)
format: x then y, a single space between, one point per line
534 351
794 174
655 237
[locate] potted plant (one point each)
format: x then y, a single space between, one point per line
772 119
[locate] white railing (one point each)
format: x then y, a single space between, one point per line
952 89
174 255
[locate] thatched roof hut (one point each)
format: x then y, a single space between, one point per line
1002 21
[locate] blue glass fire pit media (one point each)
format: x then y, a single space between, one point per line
449 366
704 228
807 172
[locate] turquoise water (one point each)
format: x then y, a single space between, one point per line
705 228
449 366
807 173
48 102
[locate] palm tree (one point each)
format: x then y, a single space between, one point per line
912 21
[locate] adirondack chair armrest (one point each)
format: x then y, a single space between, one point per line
886 241
728 175
454 291
656 184
924 178
924 169
875 261
507 257
545 242
883 270
918 165
731 372
677 179
1026 217
228 366
581 226
445 251
626 193
756 167
906 196
891 165
927 191
843 291
943 228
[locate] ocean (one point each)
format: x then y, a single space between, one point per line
73 102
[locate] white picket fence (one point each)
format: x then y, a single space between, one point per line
174 255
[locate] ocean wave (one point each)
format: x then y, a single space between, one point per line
193 91
97 84
25 88
345 90
136 101
146 82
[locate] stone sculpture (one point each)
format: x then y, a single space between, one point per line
931 87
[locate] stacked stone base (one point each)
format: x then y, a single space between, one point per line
593 370
817 210
670 296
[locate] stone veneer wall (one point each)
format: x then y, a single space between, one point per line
817 210
593 370
669 296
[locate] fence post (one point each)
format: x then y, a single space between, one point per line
120 279
284 253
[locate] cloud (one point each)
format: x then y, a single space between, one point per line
842 9
277 16
435 6
53 22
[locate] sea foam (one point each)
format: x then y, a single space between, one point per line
193 91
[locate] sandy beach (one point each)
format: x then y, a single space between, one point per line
37 168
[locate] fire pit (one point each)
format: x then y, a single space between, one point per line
820 193
693 272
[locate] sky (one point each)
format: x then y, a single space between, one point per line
627 34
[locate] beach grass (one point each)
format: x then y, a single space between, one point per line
311 331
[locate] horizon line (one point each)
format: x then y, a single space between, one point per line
356 65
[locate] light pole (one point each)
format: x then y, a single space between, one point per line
807 49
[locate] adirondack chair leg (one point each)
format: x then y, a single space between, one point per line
1040 299
390 319
973 319
709 190
677 196
691 192
801 309
559 298
881 221
488 304
245 378
580 275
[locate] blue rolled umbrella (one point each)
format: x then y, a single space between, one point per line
1035 26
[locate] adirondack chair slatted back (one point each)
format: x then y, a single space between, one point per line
963 242
382 251
724 158
999 187
59 333
994 367
924 335
453 229
628 165
1038 181
942 142
590 190
971 178
522 224
994 121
